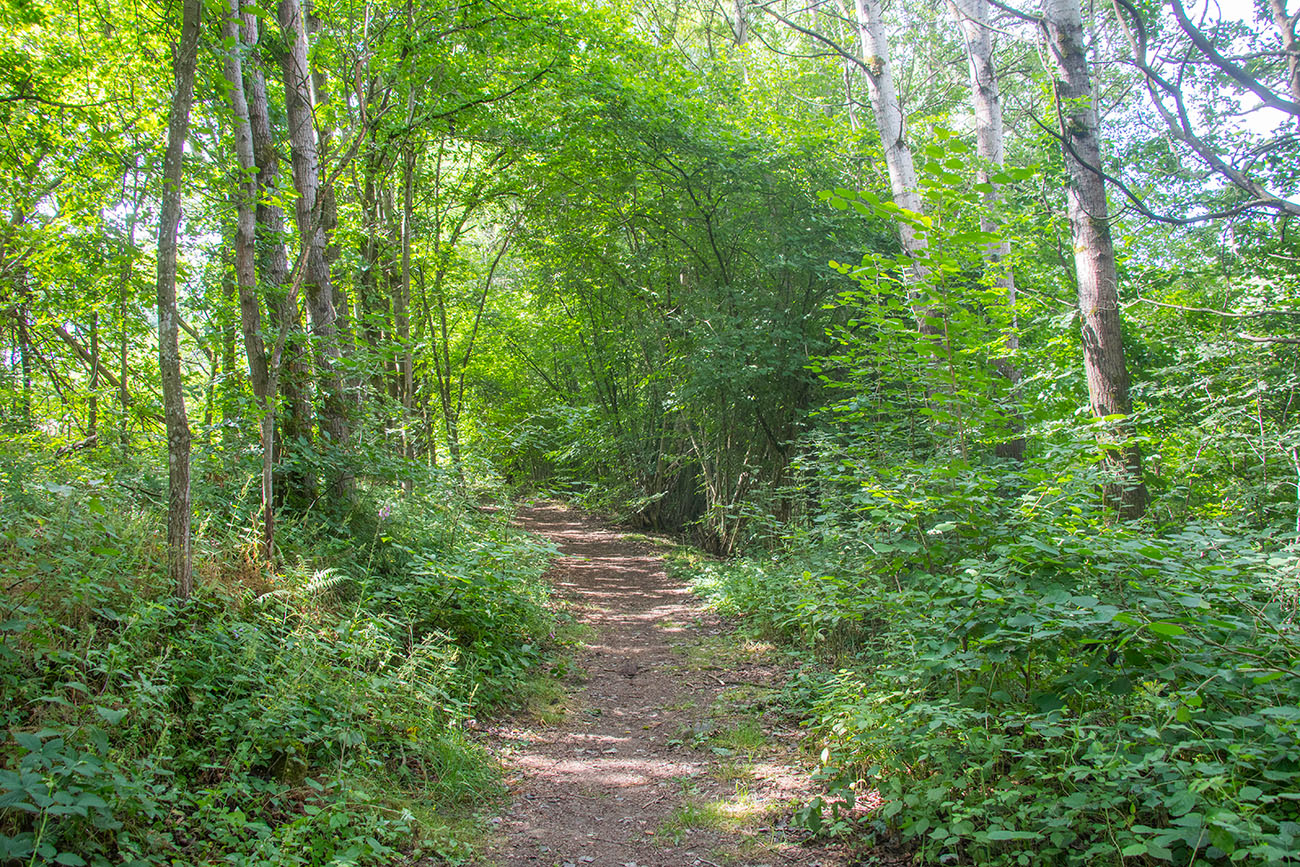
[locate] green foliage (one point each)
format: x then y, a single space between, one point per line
1024 684
310 717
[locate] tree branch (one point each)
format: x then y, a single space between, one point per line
1254 314
812 34
1245 79
1180 124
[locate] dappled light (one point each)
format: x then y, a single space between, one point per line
605 781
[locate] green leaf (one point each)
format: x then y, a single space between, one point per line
1180 803
110 716
1005 834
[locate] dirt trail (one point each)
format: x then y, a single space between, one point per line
670 753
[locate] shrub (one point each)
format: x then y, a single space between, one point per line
308 717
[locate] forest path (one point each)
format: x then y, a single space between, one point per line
670 751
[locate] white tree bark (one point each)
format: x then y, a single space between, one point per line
892 126
309 210
890 122
1284 22
986 103
250 316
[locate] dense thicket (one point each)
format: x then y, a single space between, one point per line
973 324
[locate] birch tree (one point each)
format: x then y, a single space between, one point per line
892 126
246 266
990 147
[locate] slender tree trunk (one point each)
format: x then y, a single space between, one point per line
273 264
310 216
443 368
179 565
25 352
892 126
228 375
370 251
92 402
125 278
1285 24
250 313
430 387
401 308
973 18
890 122
850 101
1094 255
22 332
327 209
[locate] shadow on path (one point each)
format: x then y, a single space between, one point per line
633 774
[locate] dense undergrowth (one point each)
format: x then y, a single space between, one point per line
315 716
1026 683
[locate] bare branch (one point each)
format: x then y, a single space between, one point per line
1254 314
1240 75
1136 201
1016 13
53 103
812 34
1179 122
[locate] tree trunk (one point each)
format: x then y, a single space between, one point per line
370 251
1285 24
973 17
327 209
892 126
1094 256
250 313
850 101
228 384
25 352
92 402
401 308
273 264
890 122
179 565
125 278
317 284
22 331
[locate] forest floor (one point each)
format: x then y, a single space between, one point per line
668 747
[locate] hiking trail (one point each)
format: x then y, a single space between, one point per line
671 749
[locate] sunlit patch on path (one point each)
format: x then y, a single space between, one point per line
648 767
